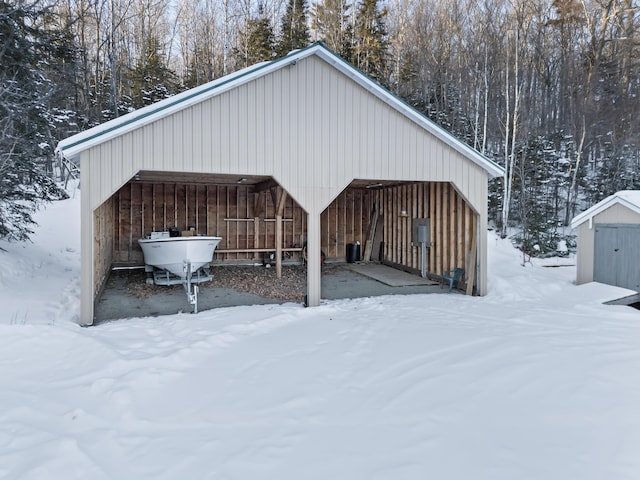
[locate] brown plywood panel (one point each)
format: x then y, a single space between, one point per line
460 236
210 227
135 253
201 209
170 206
147 208
243 228
158 222
189 208
124 224
181 206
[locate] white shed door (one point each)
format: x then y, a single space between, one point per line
617 255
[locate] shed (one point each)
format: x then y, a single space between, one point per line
609 241
302 150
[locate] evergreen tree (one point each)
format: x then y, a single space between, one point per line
330 24
295 33
27 50
370 49
256 41
151 79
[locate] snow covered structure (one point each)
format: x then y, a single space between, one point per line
609 241
302 150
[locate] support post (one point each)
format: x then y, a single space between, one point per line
314 268
368 247
471 275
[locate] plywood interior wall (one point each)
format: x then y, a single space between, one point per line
452 226
103 241
244 218
346 221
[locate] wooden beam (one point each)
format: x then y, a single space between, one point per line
282 201
264 186
274 196
372 231
254 250
258 204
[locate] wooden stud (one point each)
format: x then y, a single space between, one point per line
372 231
413 213
282 199
460 260
445 227
438 228
137 219
432 216
393 213
279 210
386 237
452 227
254 250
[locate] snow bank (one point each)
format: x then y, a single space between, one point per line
536 380
40 280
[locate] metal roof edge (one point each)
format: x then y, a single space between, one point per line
601 206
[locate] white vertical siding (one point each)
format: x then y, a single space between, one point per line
86 245
584 254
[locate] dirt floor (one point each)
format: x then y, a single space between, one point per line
128 295
256 281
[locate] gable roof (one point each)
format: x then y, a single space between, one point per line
72 146
627 198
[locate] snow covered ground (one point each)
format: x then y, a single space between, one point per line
537 380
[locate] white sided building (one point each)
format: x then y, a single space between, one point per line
304 150
609 241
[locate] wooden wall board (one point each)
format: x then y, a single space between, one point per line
346 220
246 221
452 227
225 210
103 242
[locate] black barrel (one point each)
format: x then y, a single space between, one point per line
353 252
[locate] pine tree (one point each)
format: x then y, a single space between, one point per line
27 50
257 40
370 53
151 78
295 33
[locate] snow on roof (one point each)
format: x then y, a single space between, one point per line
72 146
627 198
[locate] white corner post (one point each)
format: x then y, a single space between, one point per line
481 222
87 289
314 267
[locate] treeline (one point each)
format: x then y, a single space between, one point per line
547 88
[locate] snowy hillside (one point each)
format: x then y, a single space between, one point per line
537 380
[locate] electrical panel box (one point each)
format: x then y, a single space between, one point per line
421 231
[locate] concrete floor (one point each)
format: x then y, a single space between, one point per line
338 282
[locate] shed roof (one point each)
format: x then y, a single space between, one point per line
71 147
627 198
